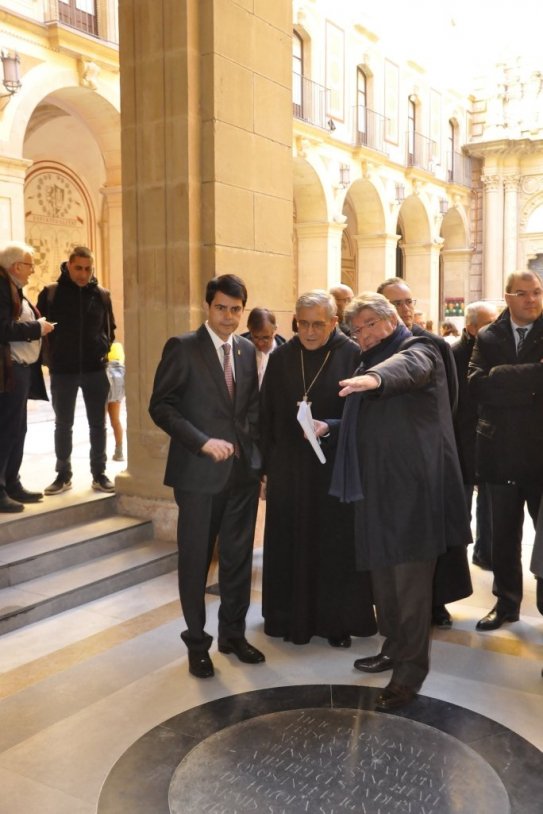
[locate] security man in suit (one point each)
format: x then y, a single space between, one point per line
205 397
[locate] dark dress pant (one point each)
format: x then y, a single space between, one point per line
230 515
482 548
507 502
13 426
95 389
403 601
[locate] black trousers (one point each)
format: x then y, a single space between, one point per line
13 426
230 515
507 503
95 389
403 601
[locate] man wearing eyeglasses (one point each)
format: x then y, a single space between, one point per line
310 586
20 372
205 397
506 379
78 351
451 579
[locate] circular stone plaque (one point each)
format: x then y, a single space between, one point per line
331 761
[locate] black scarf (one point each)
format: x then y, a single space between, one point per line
347 475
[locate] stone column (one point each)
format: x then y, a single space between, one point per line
112 242
510 224
375 259
422 275
456 280
492 237
319 254
207 187
12 205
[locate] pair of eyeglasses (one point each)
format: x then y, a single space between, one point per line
371 325
24 263
537 293
398 303
303 325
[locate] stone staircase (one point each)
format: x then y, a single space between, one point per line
56 558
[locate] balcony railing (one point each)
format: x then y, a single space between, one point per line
309 100
420 151
369 128
459 169
71 13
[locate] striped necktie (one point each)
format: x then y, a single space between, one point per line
521 338
228 375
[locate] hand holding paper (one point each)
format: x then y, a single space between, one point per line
305 420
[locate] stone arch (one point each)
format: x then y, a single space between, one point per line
318 228
365 212
454 261
57 107
420 250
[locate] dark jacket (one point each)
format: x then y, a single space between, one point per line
11 330
465 419
414 507
85 325
509 393
448 360
191 403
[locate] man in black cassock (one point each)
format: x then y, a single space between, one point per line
310 584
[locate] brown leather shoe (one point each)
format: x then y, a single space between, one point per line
394 696
374 664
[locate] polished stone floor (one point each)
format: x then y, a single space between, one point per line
87 697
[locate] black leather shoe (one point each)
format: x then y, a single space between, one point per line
242 649
495 619
9 505
339 641
441 617
394 696
200 665
374 664
22 495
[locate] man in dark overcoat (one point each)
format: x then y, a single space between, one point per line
478 314
506 380
21 376
451 578
397 462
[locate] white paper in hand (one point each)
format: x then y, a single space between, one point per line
305 420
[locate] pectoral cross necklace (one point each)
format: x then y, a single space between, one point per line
315 377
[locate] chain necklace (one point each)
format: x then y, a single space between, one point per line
315 377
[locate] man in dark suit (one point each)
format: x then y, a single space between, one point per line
478 314
451 578
506 380
262 331
205 397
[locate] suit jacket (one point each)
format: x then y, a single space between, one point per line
191 403
509 393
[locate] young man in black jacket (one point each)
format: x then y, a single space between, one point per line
85 329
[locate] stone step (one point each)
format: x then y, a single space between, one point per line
73 586
45 553
54 513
